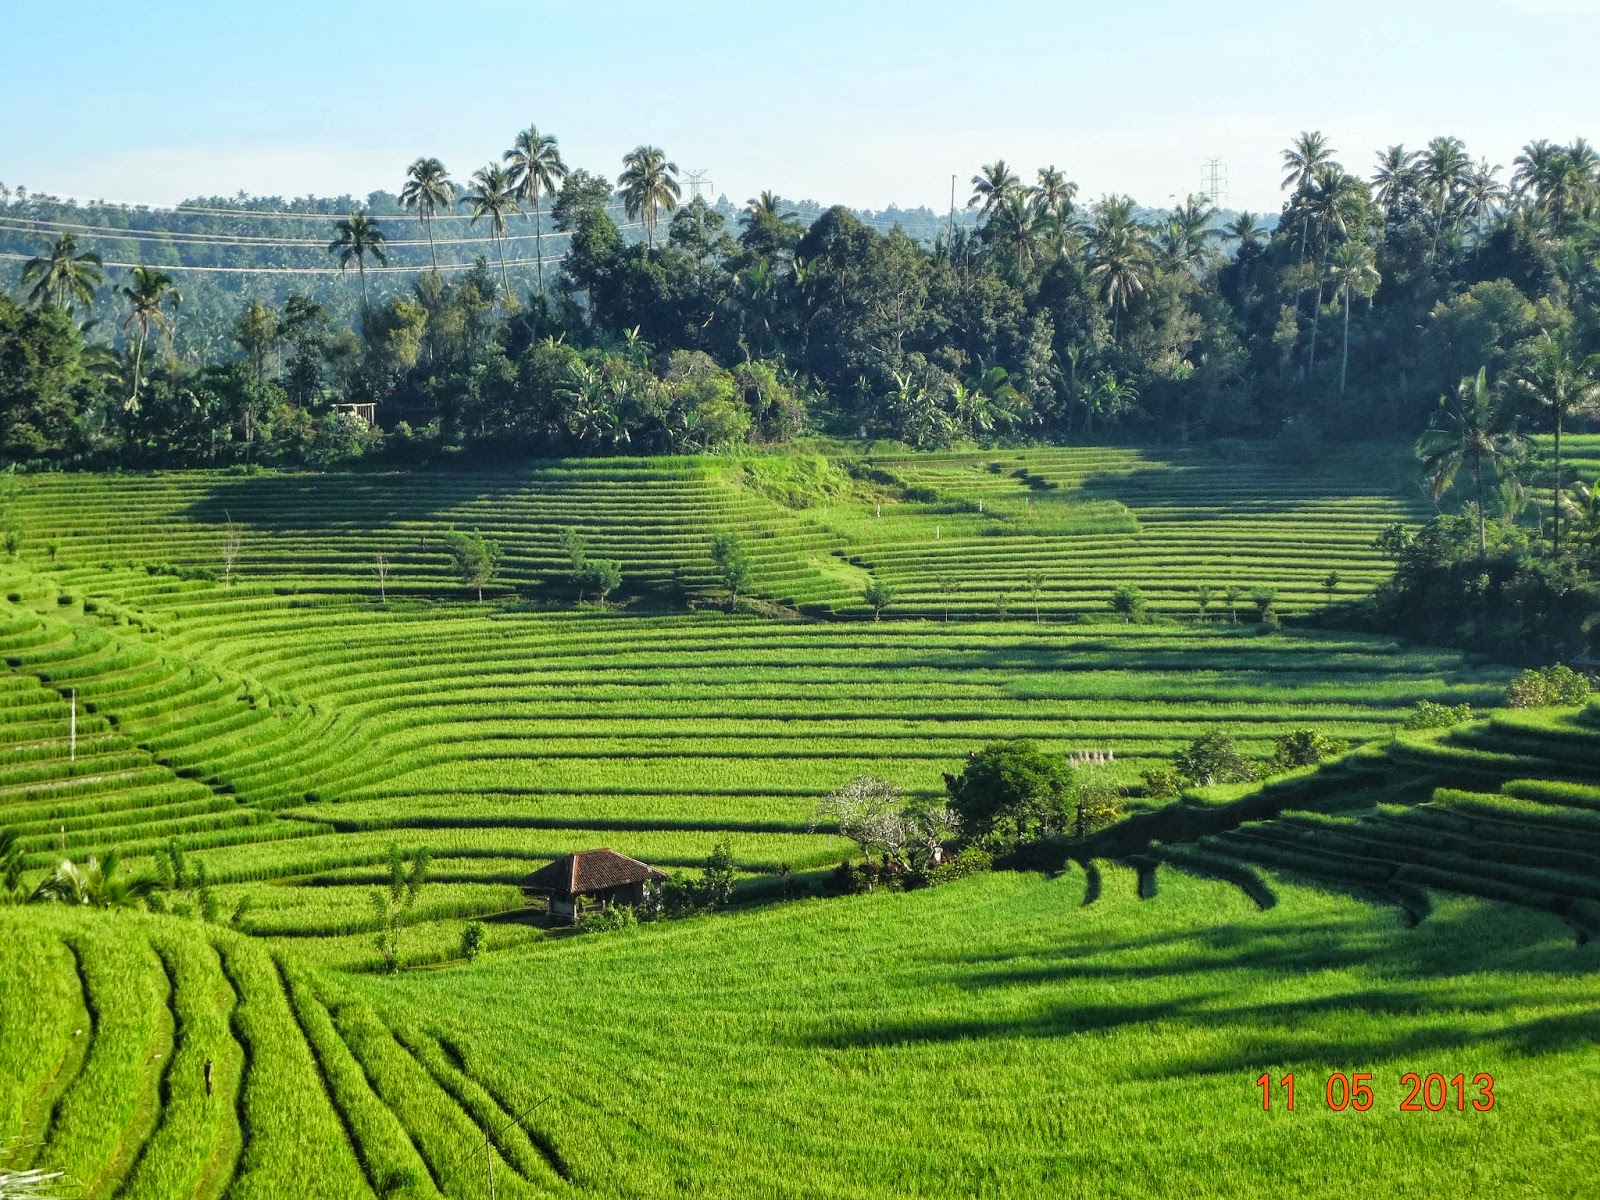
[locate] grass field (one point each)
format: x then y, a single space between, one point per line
1423 896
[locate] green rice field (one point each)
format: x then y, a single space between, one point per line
1093 1027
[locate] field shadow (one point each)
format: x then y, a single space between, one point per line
1403 991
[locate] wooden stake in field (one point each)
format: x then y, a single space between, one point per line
383 580
488 1162
72 726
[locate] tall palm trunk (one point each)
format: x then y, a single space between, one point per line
433 255
538 241
1316 312
500 245
361 270
1557 534
1344 361
138 363
1477 480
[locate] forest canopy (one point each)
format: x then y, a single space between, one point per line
645 322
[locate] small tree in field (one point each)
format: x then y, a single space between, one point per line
1232 595
1262 598
867 811
1128 601
1035 587
475 557
733 564
600 576
383 579
878 597
473 940
1331 584
231 539
1214 757
1202 599
406 880
1012 791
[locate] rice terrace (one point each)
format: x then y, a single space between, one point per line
549 683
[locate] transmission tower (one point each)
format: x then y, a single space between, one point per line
698 183
1214 180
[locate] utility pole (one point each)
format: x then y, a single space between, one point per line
952 216
1214 180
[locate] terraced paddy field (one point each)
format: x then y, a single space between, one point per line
1094 1027
1046 531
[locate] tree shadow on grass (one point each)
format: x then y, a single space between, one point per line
1398 992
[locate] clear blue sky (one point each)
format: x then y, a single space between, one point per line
866 103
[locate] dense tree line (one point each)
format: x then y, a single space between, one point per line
1364 302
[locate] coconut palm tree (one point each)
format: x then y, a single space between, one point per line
1442 170
149 292
991 186
1565 385
768 204
649 187
63 276
1119 256
1053 195
1482 193
1305 155
1017 224
1474 428
1332 201
355 238
1246 229
490 195
1396 177
428 188
96 884
1354 273
536 172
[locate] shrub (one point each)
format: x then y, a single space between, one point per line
969 862
849 879
1161 783
1262 598
1305 748
473 940
1128 601
1214 757
64 599
1543 687
614 918
1096 802
1432 715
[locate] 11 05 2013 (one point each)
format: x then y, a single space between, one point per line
1417 1092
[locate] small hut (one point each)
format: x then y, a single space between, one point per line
595 877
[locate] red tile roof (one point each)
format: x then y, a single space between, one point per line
589 871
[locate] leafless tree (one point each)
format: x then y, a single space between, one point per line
230 550
867 811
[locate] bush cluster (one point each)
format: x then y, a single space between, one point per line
1430 714
1546 687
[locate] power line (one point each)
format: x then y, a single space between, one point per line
40 225
417 270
